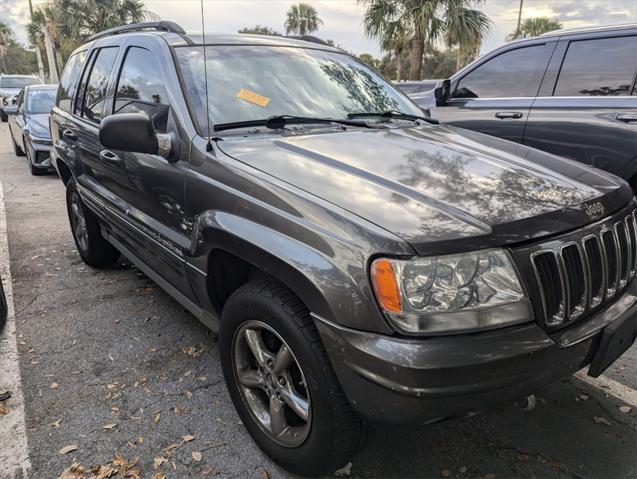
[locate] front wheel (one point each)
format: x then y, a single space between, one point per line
3 116
282 383
16 149
93 248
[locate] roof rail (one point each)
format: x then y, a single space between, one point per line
309 38
133 27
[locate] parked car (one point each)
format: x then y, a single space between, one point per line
416 87
359 261
10 85
569 92
29 126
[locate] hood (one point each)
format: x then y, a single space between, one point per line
39 125
440 188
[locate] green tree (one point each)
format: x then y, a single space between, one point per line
261 30
465 30
369 60
534 27
6 35
302 19
425 21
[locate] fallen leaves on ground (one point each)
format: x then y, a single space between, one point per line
601 420
196 455
56 423
4 410
110 426
157 417
192 351
625 409
207 471
188 438
265 474
69 448
54 385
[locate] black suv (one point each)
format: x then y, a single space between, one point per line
359 261
568 92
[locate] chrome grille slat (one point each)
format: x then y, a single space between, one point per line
576 277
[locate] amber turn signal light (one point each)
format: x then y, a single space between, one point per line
385 285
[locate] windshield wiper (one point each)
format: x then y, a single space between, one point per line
394 114
279 121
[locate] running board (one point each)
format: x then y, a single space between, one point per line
206 318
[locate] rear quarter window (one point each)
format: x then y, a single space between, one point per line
69 81
598 67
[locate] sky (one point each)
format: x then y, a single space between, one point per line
343 18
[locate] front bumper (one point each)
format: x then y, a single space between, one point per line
415 381
40 155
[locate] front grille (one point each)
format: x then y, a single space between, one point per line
576 276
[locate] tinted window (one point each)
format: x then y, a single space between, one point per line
40 101
139 91
69 80
598 67
512 74
95 99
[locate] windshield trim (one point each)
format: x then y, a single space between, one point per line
325 48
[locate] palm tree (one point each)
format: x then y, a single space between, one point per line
302 19
426 20
534 27
382 21
83 18
466 28
6 35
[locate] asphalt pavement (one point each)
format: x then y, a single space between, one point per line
116 374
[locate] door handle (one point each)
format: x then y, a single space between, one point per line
110 157
508 115
626 117
69 135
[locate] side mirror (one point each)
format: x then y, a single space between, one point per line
11 110
132 132
442 92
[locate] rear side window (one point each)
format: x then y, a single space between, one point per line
516 73
95 99
69 81
598 67
140 87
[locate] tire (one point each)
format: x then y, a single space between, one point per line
16 149
3 116
93 248
333 432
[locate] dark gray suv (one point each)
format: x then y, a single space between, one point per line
569 92
359 261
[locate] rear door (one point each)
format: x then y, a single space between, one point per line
494 96
587 108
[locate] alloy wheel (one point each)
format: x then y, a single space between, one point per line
272 383
78 221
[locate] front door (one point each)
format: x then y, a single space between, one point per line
495 96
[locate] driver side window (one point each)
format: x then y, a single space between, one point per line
516 73
139 92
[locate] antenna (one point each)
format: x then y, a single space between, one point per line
205 74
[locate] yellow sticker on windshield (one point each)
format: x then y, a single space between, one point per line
253 97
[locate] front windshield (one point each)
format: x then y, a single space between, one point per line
40 101
255 82
18 82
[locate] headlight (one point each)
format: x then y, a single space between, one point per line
459 292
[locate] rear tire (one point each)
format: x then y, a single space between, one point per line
3 116
93 248
331 433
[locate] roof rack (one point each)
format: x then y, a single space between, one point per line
309 38
134 27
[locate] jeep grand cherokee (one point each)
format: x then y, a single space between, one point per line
359 261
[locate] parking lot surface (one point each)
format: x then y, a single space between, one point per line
115 373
